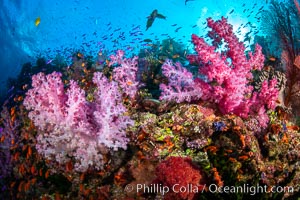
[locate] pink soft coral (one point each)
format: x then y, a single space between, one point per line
126 73
227 72
109 112
181 86
70 126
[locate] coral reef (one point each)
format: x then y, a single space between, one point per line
97 130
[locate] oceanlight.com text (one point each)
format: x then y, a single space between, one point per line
212 188
252 190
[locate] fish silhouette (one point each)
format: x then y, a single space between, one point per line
187 1
152 17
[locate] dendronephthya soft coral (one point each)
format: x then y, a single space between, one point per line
71 127
227 71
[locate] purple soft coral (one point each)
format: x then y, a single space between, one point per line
181 86
70 126
7 135
109 112
126 74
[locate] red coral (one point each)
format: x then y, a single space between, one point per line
181 176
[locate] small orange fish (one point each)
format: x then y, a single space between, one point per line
275 128
212 149
22 169
2 138
119 179
24 87
69 177
228 150
297 61
81 187
101 173
41 172
26 136
33 181
87 192
236 128
140 155
80 55
285 139
82 177
24 147
294 128
21 186
45 197
57 196
16 156
85 71
278 101
29 152
12 111
12 120
37 21
267 68
243 158
12 184
69 166
272 59
47 173
129 83
19 98
27 186
175 56
217 177
242 139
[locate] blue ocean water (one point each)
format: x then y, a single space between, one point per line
95 25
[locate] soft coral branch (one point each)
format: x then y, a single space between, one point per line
181 84
126 73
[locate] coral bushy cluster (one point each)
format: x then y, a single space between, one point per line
126 75
71 126
186 182
227 75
